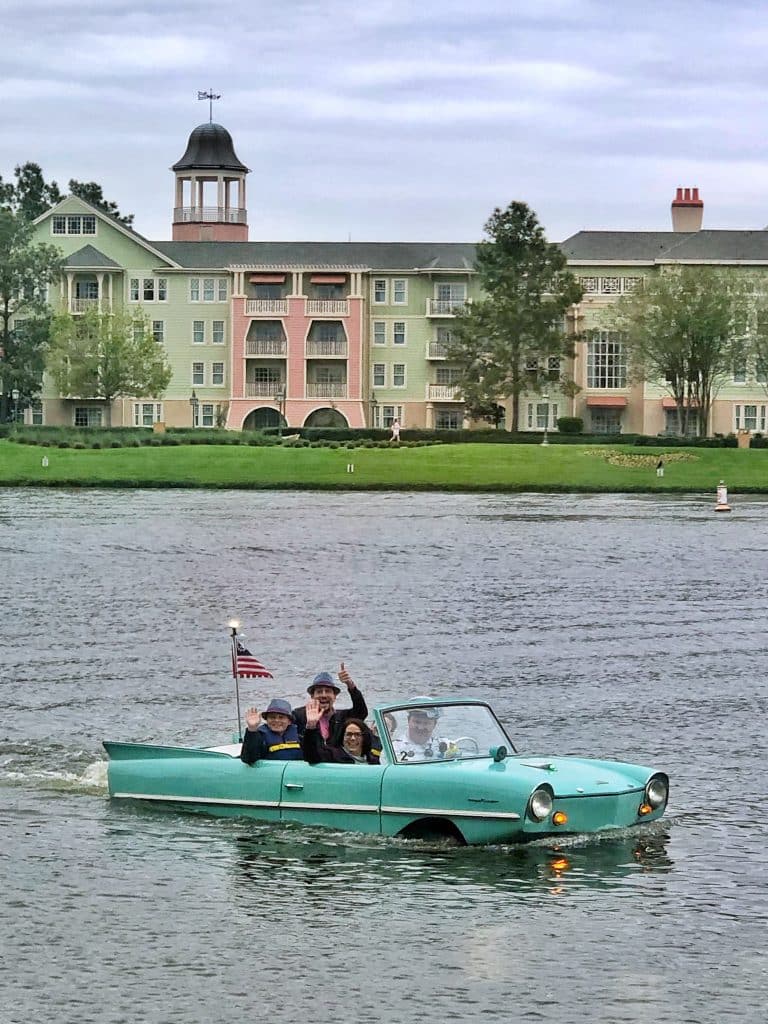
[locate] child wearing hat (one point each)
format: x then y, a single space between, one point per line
275 739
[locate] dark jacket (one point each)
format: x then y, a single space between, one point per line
317 752
359 709
264 745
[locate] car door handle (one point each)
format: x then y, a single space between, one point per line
293 785
481 800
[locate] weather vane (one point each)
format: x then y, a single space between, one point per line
209 95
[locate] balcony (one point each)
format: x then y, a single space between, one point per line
82 305
327 348
266 307
444 307
443 393
263 389
436 350
209 215
326 307
265 347
326 390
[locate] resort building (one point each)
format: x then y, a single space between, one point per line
261 333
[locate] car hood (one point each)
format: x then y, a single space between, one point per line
577 775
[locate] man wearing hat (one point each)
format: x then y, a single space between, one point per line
325 691
276 738
419 744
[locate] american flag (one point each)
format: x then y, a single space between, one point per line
245 666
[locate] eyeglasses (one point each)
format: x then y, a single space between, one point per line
353 732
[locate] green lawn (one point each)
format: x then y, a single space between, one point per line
447 467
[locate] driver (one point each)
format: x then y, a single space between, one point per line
419 743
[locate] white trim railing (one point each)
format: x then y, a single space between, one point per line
326 307
335 390
443 393
327 348
266 307
209 215
265 347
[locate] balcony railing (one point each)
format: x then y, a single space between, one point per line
327 348
266 307
265 347
444 307
82 305
436 350
263 388
326 307
335 390
443 393
209 215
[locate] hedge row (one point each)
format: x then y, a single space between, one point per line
119 437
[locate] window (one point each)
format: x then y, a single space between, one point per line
740 373
206 414
198 332
217 373
605 421
267 291
606 361
589 285
89 225
379 333
198 374
398 375
138 331
449 419
444 335
212 289
379 375
148 289
400 291
267 376
59 225
541 416
218 332
447 375
761 371
380 290
385 415
632 283
158 331
610 285
673 424
86 289
37 414
749 417
147 413
398 333
87 416
455 292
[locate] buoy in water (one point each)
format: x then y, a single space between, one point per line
722 498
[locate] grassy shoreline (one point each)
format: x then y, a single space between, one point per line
458 467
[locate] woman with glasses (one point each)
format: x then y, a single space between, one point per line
355 741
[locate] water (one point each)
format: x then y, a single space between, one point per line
624 627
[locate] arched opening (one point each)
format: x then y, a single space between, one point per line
433 830
326 418
259 419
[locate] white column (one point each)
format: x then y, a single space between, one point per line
70 289
100 286
220 197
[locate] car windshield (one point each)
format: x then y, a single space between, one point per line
439 732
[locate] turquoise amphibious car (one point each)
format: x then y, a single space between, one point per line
448 770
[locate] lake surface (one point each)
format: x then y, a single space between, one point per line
624 627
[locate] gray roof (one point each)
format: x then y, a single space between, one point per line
90 258
392 256
210 147
654 246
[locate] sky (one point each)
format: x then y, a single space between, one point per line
392 120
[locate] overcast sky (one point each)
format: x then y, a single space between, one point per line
399 120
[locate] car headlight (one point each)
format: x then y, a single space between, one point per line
657 791
540 804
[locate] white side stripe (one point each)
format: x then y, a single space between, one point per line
288 805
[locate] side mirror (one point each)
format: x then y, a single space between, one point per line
499 753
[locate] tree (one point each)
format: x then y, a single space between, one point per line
26 270
688 328
527 289
107 356
30 195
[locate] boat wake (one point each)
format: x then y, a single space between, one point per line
52 767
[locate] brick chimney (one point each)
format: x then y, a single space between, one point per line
687 210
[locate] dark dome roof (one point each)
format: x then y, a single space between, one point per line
210 147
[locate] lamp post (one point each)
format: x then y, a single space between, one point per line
374 406
194 404
280 400
15 397
545 439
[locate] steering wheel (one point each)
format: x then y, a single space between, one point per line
475 749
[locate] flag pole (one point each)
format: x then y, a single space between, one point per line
233 638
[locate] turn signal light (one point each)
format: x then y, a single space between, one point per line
559 818
644 809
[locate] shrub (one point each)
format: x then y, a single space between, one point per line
95 444
115 444
570 424
79 445
63 444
